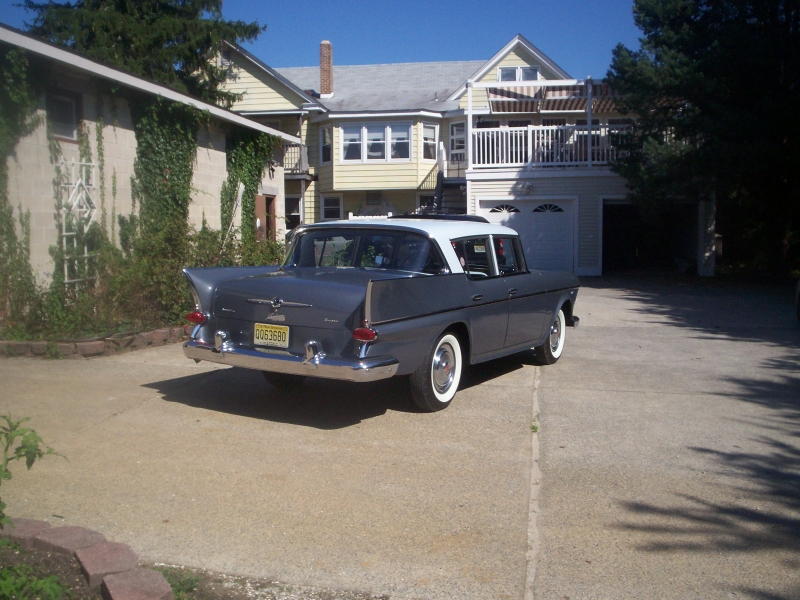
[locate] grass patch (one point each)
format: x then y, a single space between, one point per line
19 582
183 583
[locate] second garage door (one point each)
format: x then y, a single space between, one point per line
545 228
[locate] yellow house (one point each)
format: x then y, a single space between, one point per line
514 139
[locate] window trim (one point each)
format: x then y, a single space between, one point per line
518 73
322 199
322 130
77 105
387 140
435 142
451 137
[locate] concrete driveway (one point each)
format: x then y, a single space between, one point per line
670 460
343 485
670 445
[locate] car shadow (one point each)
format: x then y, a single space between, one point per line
318 403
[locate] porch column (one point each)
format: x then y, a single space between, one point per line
589 118
706 236
302 201
469 126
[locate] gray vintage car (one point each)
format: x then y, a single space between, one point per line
364 300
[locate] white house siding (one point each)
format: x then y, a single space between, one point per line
586 189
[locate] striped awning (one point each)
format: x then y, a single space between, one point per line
515 100
565 98
603 98
552 99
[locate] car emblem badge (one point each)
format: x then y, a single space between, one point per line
274 317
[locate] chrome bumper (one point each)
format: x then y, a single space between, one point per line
328 367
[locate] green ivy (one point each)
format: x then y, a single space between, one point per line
18 118
248 155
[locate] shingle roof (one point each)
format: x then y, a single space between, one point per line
400 86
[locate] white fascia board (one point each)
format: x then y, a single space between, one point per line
268 113
369 115
526 84
98 70
518 40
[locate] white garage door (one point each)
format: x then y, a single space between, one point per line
545 228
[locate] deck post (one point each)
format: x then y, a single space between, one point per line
469 125
589 118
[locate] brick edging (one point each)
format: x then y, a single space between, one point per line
105 347
111 566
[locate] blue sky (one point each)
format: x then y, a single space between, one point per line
577 34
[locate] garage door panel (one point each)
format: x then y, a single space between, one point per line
545 229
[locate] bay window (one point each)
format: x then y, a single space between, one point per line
379 142
351 142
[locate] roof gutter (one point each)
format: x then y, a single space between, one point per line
99 70
377 113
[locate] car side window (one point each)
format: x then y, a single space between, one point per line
507 251
416 253
475 257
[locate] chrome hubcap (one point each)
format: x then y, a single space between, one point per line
555 334
443 368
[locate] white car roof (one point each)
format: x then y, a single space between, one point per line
441 230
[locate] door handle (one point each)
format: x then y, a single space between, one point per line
477 297
512 291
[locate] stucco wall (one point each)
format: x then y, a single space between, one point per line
31 173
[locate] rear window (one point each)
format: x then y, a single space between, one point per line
367 250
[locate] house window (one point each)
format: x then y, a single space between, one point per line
517 73
331 208
292 212
519 123
458 142
401 142
376 142
430 133
425 201
351 142
326 144
554 122
62 115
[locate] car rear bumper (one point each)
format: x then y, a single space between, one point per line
328 367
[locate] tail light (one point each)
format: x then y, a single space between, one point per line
365 334
196 317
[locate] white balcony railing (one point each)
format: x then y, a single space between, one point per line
545 146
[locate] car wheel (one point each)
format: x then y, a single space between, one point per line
549 352
435 382
284 381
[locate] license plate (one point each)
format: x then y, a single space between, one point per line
271 335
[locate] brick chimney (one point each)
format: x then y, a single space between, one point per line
325 69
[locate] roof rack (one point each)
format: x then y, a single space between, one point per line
441 217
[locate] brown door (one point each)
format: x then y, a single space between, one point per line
265 217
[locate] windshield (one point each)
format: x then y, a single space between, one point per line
349 249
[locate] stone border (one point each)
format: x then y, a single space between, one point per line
110 566
107 347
